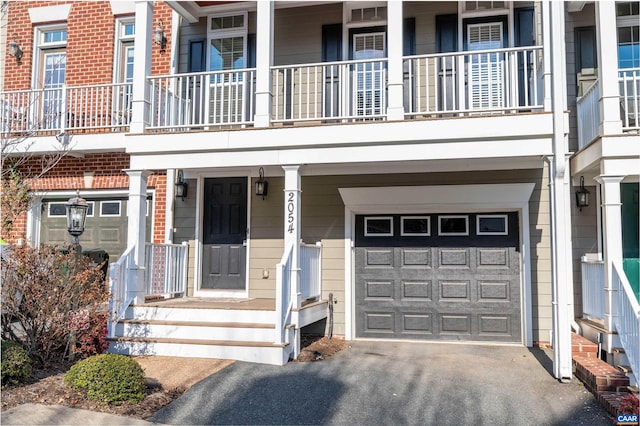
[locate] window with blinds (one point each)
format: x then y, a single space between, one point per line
486 68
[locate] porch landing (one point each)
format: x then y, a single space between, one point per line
254 304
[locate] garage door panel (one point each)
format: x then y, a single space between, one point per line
417 290
417 323
455 324
379 323
377 258
376 290
493 258
494 325
454 258
416 258
455 291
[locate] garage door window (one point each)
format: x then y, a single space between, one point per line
378 226
60 209
110 208
492 225
415 226
453 225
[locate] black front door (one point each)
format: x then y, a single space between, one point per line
224 234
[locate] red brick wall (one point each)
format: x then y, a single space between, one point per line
90 44
108 173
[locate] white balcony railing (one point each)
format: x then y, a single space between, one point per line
166 268
588 112
311 270
593 297
629 80
30 112
345 91
466 83
627 321
200 100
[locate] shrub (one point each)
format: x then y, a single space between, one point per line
16 364
89 333
41 287
110 378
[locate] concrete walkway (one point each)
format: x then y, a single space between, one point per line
393 384
38 414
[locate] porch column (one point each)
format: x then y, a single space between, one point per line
136 212
612 241
610 123
264 61
546 55
395 102
140 98
292 184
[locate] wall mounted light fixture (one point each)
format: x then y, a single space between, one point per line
262 186
14 49
159 37
181 186
582 195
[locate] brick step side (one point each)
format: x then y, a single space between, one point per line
612 401
598 376
583 346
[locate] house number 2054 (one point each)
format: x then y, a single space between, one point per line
291 208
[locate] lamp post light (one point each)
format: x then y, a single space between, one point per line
76 218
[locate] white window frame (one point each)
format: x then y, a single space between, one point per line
453 216
227 33
111 201
122 42
386 234
492 216
40 47
415 234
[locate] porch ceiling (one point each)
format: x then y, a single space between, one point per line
192 11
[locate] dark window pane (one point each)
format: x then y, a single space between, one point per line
492 225
57 209
419 226
381 226
453 225
109 208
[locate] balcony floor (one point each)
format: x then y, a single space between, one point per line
255 304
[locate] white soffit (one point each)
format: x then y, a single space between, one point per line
60 12
436 198
122 7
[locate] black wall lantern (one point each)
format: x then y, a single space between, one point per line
76 216
13 49
159 37
181 186
582 195
262 186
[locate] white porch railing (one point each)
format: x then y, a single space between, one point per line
627 321
466 83
166 268
311 270
630 98
104 106
284 295
593 296
588 112
119 302
196 100
345 91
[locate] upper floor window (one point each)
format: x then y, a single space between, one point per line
227 42
126 31
50 70
628 22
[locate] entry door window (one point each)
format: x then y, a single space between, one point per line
227 52
369 96
124 68
486 74
51 73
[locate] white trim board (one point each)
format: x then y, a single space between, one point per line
445 198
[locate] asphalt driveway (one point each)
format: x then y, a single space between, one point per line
390 383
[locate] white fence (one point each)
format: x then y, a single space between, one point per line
198 100
465 83
593 296
166 268
118 275
588 112
627 321
105 106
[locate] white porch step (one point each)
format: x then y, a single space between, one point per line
258 352
207 330
142 312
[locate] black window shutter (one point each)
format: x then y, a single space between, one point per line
331 42
409 36
523 25
586 55
197 56
251 51
447 33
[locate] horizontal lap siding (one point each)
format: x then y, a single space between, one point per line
322 220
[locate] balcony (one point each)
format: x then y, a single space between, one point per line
460 84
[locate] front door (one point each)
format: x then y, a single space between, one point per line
369 95
224 234
486 74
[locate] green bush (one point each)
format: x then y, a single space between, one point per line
110 378
16 364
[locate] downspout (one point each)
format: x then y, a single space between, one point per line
560 211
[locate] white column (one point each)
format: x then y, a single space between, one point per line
292 184
612 241
559 182
136 212
141 67
610 123
546 55
264 61
395 103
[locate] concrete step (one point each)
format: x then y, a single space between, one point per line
142 312
258 352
